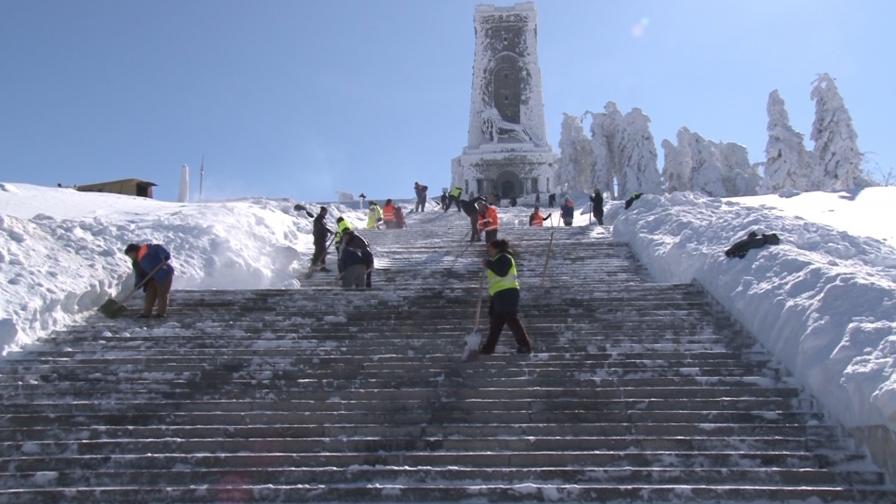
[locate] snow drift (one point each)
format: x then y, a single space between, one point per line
61 250
823 301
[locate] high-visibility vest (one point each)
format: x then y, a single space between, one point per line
498 283
537 220
344 227
389 213
374 214
456 192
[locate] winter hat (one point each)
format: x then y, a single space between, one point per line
132 247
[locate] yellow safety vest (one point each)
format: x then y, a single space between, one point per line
374 215
344 226
456 192
498 283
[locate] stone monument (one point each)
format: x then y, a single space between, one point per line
507 152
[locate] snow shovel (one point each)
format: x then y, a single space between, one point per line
472 340
114 309
300 207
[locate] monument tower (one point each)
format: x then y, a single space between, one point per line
507 152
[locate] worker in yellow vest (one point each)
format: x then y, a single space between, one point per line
454 198
342 227
374 215
504 297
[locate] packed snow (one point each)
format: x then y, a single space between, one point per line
61 250
823 301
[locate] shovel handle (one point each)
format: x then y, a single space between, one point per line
135 289
479 301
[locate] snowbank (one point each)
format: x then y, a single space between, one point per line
824 301
863 213
61 250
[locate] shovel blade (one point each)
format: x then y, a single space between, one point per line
471 349
112 308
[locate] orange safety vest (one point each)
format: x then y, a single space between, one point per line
389 213
537 220
142 252
489 221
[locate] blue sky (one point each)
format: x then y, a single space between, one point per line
303 98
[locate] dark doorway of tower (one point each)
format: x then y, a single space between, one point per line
509 185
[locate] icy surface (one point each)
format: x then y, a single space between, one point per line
61 250
824 300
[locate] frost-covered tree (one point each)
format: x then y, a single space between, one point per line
637 156
839 161
677 166
576 156
788 165
739 177
606 138
718 169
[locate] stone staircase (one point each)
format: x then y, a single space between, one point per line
637 392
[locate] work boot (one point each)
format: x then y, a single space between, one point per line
523 350
325 269
144 315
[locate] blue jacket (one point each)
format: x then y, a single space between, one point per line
148 258
567 212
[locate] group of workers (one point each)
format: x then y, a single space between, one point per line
154 273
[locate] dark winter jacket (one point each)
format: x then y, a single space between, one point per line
320 231
597 202
420 191
350 257
149 257
469 207
507 301
635 197
753 240
357 242
567 212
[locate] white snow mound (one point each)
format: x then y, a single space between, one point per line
61 250
823 301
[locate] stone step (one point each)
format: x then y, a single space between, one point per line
812 433
281 444
234 490
455 475
764 416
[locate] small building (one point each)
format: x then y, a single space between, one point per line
130 187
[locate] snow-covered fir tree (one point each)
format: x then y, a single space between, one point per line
576 156
839 161
718 169
788 165
739 176
677 166
637 157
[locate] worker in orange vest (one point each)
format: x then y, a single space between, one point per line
389 214
488 221
536 219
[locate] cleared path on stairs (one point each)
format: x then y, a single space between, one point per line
637 392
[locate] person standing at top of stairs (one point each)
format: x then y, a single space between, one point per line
567 211
597 207
488 221
321 233
504 298
374 215
454 198
420 192
536 219
389 214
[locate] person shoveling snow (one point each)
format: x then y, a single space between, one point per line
504 300
154 273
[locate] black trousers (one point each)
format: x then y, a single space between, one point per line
491 236
474 229
453 201
497 321
320 255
